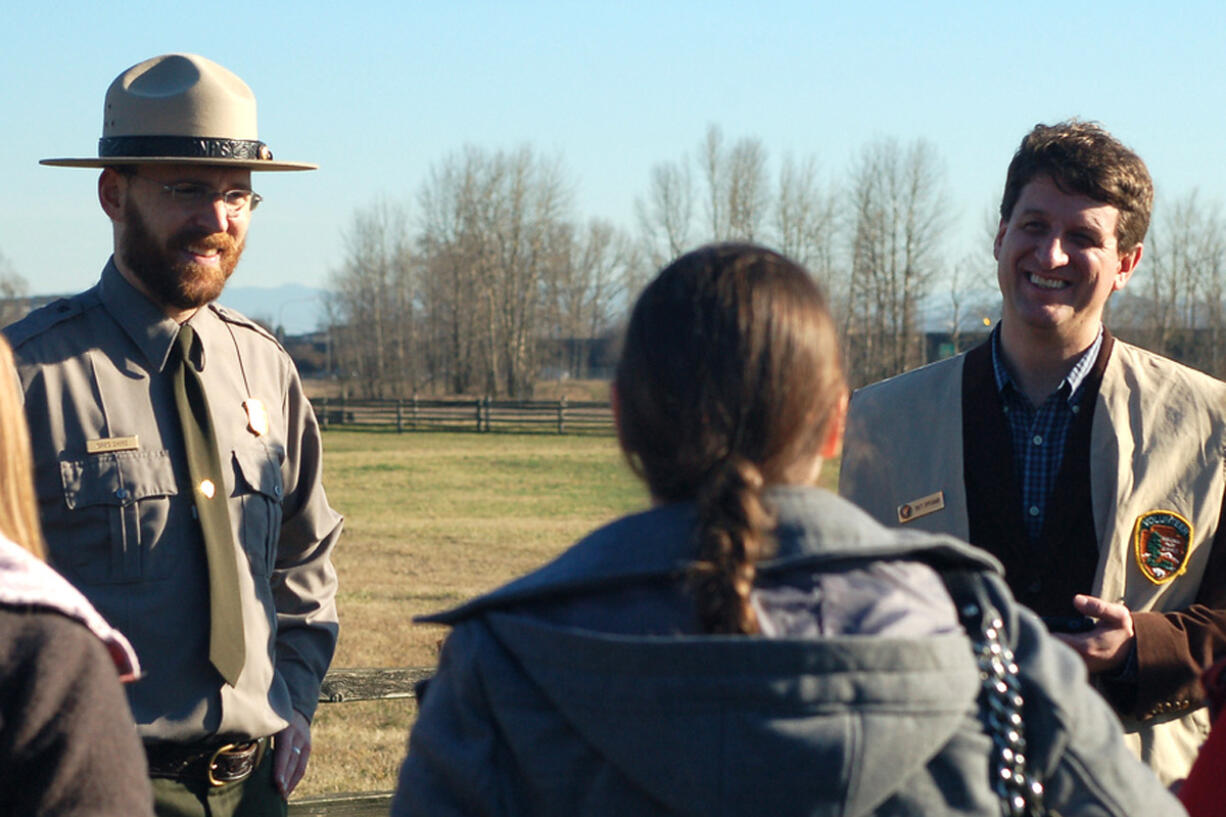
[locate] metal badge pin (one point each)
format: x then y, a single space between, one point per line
257 416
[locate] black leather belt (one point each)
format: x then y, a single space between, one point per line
217 764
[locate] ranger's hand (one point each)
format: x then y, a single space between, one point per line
293 750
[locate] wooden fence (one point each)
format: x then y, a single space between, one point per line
344 686
481 414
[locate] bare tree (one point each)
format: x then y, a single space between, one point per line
898 202
973 295
711 162
806 223
737 188
666 215
972 303
747 190
588 285
799 215
1174 305
487 246
374 313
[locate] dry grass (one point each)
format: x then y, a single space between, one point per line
575 390
432 520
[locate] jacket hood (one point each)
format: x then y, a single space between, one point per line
729 725
709 725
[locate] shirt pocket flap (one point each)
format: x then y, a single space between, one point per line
118 478
260 470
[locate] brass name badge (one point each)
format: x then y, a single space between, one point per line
108 444
923 506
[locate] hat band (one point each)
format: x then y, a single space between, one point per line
187 147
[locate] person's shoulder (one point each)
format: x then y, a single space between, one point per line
242 323
1165 375
888 402
56 317
920 379
34 636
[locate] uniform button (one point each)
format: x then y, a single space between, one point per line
1075 409
1038 439
121 493
1034 510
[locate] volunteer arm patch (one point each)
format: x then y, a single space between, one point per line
1161 540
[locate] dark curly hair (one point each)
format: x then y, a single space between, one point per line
1081 157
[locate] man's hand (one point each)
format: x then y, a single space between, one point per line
293 749
1107 646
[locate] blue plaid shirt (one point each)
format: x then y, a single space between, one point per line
1039 434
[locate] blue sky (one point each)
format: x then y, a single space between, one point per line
378 92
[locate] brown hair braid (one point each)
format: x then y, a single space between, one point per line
729 376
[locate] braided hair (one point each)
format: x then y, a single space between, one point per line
729 377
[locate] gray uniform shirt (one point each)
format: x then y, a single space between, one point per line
116 503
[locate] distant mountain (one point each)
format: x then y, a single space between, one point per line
297 308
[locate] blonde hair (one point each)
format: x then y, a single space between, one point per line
18 508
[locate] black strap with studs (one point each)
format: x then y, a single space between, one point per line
1000 696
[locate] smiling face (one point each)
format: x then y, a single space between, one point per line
1058 261
179 254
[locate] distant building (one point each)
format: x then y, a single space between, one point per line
940 345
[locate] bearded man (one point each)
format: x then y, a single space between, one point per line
177 459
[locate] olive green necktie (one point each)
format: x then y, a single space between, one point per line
226 650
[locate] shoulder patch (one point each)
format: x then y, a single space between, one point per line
46 317
1161 540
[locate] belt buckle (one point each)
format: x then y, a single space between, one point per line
213 781
212 767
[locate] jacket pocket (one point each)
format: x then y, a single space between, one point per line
258 488
119 504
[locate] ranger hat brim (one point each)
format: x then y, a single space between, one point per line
180 109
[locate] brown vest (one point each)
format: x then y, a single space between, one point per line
1045 574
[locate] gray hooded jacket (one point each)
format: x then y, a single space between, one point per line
586 688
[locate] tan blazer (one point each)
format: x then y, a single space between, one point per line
1157 482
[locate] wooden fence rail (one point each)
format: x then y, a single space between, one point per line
481 414
344 686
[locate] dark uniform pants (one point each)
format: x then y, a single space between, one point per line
257 796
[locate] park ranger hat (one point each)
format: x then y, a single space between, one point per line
180 109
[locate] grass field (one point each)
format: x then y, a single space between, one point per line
432 520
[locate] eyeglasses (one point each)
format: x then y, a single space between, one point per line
193 194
